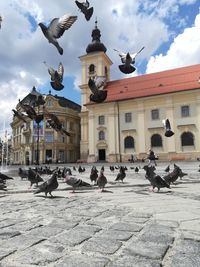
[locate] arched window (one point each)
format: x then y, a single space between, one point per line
129 142
187 139
156 140
101 135
91 69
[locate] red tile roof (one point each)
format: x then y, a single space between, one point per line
165 82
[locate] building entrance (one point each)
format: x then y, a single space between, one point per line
48 156
102 154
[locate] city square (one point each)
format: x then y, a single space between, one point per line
126 225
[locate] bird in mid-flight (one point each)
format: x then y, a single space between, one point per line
167 126
85 9
98 95
56 29
56 77
0 21
128 60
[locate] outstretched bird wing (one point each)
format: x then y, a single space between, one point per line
122 55
60 71
100 81
133 56
59 25
92 86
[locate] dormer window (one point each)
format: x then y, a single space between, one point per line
91 69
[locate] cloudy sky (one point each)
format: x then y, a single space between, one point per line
169 30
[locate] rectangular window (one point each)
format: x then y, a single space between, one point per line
155 114
101 120
49 137
128 117
185 111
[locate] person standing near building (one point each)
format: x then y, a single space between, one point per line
152 158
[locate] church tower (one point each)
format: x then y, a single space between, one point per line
94 63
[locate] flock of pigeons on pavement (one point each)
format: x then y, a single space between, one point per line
96 177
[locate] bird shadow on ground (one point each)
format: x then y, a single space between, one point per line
49 197
106 191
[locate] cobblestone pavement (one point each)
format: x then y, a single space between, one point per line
125 226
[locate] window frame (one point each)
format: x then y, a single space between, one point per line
155 114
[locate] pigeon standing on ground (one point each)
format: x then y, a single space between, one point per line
75 182
167 126
56 77
34 177
98 95
173 176
56 29
23 173
154 179
84 8
94 174
48 186
128 60
101 181
167 169
121 175
5 177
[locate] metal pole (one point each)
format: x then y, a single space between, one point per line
37 151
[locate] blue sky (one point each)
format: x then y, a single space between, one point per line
169 30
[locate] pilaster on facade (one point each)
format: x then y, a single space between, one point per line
141 129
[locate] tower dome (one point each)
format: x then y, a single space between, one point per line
96 45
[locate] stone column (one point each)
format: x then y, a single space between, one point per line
141 130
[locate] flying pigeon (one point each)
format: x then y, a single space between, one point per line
101 181
0 21
128 59
167 126
75 182
56 77
56 29
84 8
98 95
55 123
29 110
19 115
48 186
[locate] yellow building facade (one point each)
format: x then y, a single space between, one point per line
129 122
54 147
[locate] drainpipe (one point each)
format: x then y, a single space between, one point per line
118 117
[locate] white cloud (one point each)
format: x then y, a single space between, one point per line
185 50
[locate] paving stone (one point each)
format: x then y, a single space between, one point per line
129 227
4 252
146 249
63 224
41 254
21 241
135 261
71 238
46 231
101 245
91 229
6 233
81 260
157 233
114 234
186 253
